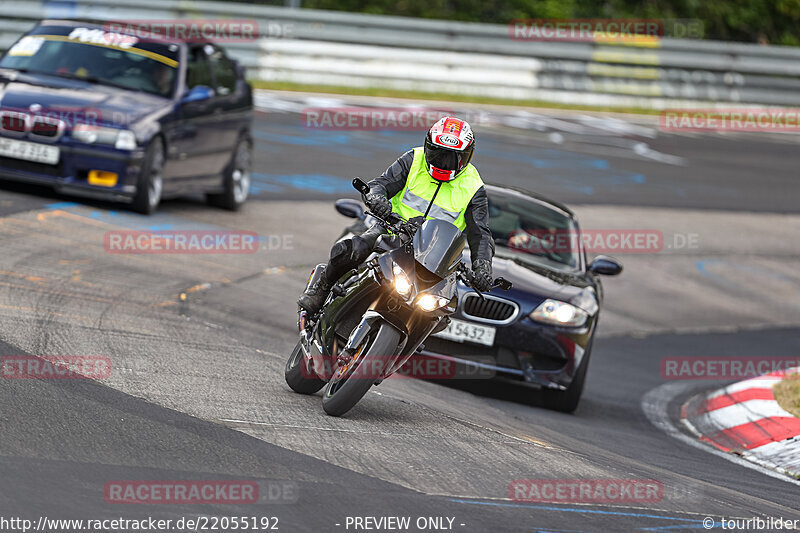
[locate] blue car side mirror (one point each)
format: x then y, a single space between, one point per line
198 93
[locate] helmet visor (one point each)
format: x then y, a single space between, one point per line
442 158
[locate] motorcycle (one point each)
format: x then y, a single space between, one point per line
379 315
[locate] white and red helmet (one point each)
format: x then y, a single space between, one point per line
449 146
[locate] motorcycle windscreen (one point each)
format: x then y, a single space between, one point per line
438 246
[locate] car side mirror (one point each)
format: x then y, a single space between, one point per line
241 71
605 265
198 93
350 208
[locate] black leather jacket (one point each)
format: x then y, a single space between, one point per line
476 216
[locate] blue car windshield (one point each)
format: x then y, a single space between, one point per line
533 232
97 56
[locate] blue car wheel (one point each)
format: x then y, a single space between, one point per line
151 179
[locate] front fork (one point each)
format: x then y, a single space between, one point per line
370 321
303 323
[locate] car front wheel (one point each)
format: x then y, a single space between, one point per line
151 179
567 401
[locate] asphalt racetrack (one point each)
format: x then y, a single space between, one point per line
197 343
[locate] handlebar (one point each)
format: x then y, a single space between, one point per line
467 277
360 186
394 223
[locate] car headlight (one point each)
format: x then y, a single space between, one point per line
429 302
401 283
89 134
126 140
559 313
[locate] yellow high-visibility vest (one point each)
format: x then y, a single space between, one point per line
451 201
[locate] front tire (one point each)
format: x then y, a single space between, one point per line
238 175
151 179
567 401
298 380
343 392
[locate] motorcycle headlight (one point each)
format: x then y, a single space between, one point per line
89 134
559 313
401 283
429 302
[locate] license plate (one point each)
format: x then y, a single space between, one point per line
38 153
460 331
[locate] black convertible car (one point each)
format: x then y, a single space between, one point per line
540 332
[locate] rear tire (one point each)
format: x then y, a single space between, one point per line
237 178
342 395
151 179
298 380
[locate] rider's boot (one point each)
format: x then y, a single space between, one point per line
314 297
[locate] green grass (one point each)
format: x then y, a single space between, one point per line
440 97
787 393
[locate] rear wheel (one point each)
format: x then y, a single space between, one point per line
297 377
151 179
236 181
351 382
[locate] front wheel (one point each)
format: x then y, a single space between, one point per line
300 380
351 382
567 401
151 179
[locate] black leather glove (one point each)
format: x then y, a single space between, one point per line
412 225
379 204
482 281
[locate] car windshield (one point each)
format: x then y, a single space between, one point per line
97 56
534 232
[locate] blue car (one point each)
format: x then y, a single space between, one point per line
98 113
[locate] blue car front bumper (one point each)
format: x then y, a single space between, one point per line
71 173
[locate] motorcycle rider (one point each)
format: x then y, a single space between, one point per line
439 170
